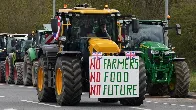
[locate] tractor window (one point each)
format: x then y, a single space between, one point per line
147 33
91 25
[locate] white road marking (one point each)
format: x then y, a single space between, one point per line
164 103
46 104
57 106
30 87
190 99
23 100
20 86
9 109
182 105
29 101
173 104
1 84
191 106
2 96
35 102
155 102
171 98
148 101
41 103
11 85
140 108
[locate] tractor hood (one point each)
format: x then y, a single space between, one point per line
103 45
154 45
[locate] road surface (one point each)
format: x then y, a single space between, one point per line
17 97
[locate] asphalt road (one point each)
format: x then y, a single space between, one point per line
16 97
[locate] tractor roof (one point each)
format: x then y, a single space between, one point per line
82 9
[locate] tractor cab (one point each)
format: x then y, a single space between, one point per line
18 43
149 30
77 25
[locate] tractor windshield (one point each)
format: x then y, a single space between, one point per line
93 26
147 33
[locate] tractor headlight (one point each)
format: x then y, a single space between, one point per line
154 52
62 38
166 52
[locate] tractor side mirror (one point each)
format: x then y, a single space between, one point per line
178 29
54 25
135 25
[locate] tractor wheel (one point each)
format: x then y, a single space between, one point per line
2 72
142 88
108 100
179 86
158 89
45 93
34 73
18 73
9 71
68 79
27 76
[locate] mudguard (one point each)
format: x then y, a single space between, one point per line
32 54
179 59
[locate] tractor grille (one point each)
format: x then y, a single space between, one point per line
161 58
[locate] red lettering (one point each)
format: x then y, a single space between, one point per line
95 76
95 64
95 89
98 77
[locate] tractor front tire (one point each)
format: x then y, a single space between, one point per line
34 73
2 72
18 73
27 76
68 86
142 88
45 93
158 89
182 80
9 71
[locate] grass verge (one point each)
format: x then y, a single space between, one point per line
192 87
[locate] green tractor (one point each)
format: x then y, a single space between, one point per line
3 55
166 73
64 66
16 47
42 37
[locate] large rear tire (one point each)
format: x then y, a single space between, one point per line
27 76
158 89
2 72
9 71
181 80
34 73
68 80
142 88
45 94
18 73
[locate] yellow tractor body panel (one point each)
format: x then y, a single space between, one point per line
103 45
89 11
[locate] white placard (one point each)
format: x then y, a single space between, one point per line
113 76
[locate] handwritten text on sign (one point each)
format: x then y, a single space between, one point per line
114 77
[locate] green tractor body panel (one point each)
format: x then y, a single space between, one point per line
155 45
158 61
32 53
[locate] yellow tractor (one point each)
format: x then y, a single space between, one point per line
85 57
